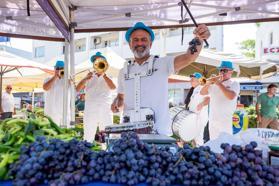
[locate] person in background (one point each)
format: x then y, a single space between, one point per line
198 104
8 104
223 92
54 93
266 106
29 108
81 101
98 88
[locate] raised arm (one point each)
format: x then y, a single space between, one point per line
81 84
183 60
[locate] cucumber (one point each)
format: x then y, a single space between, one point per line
4 148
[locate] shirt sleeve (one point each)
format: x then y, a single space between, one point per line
46 80
170 64
120 82
235 87
259 99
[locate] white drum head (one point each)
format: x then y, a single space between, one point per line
184 123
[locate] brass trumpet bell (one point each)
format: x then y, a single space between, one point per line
100 65
61 72
203 80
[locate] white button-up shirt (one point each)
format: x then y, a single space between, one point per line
8 102
97 91
54 102
221 109
154 90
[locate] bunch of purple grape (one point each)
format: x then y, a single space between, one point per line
53 161
131 161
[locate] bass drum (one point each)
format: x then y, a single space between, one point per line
184 123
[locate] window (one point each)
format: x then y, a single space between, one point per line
40 51
63 49
95 42
80 45
271 38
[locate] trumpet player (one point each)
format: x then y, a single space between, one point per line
223 94
53 87
98 87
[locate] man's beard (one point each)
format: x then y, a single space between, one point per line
141 54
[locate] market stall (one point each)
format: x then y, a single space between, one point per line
129 160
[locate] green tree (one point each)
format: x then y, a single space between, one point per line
248 48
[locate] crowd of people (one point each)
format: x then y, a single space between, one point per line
214 100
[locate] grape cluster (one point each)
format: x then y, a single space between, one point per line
52 162
131 161
247 167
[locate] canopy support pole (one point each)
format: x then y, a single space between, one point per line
72 70
66 86
1 84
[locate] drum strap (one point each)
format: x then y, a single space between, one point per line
149 72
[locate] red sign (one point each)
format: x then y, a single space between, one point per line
271 50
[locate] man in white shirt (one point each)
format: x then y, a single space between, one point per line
54 95
98 88
154 88
8 103
223 94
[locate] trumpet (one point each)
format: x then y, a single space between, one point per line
203 80
61 72
100 65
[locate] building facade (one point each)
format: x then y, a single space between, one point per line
167 42
267 41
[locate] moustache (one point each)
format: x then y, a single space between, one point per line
138 46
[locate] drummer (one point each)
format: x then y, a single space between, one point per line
154 88
198 104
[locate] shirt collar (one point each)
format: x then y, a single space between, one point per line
151 57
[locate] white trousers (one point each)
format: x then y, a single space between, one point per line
96 115
218 127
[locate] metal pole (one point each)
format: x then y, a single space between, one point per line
1 81
66 86
193 19
72 73
33 99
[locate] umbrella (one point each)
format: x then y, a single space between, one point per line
208 61
26 83
15 66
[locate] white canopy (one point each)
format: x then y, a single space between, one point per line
41 17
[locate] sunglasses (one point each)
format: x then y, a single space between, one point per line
9 88
59 68
224 70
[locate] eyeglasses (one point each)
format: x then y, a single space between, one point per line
9 88
224 70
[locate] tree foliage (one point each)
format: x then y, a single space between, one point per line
248 48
